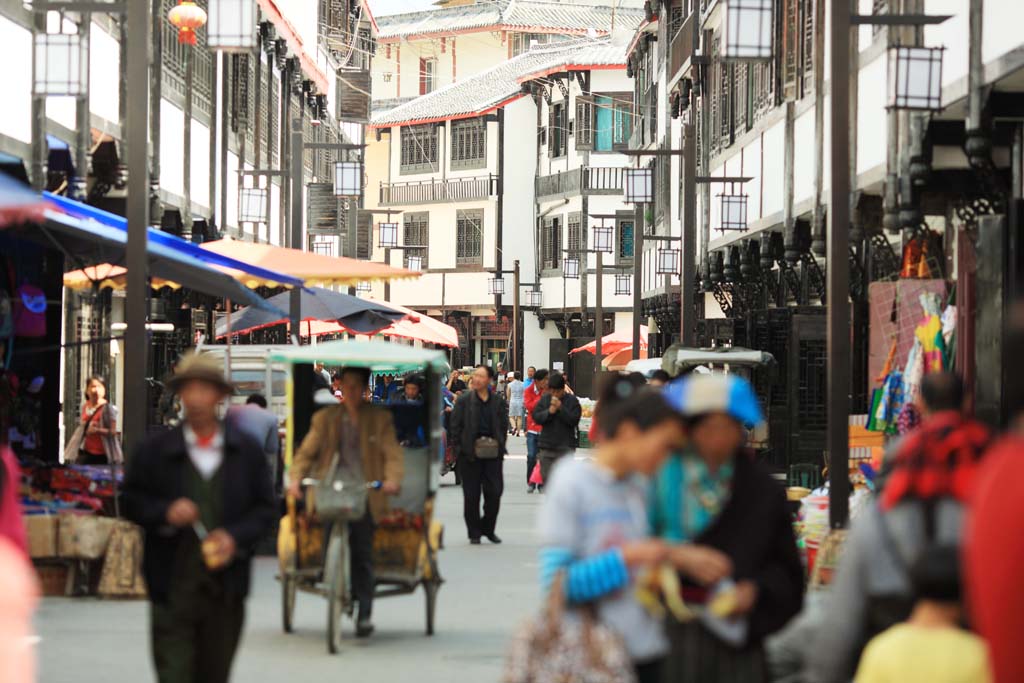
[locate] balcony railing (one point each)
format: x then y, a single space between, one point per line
438 190
585 180
681 48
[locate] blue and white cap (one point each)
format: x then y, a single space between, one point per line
715 393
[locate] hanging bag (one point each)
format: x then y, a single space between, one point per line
74 446
552 649
29 312
336 500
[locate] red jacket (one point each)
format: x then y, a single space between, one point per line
531 395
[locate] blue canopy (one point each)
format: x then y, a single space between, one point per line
86 242
183 247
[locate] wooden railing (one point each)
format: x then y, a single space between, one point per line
438 190
585 180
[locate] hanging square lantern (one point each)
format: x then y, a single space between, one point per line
748 30
533 297
604 238
915 78
348 179
734 211
231 25
496 285
639 185
363 286
571 268
414 262
252 205
61 67
623 284
667 262
388 235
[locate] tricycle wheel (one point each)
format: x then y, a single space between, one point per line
336 574
430 588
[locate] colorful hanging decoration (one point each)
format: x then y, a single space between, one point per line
187 17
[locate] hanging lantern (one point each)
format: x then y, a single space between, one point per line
604 237
233 26
667 262
639 185
571 268
348 179
533 297
748 30
252 205
915 78
734 212
413 262
623 284
61 65
187 17
388 235
496 285
363 286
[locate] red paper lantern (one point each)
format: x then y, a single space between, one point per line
187 17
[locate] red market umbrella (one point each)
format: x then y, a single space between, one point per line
615 342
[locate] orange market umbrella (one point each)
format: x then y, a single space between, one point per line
618 360
615 342
417 327
315 269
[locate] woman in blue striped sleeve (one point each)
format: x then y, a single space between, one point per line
593 523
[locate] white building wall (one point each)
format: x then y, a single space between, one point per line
104 60
16 114
397 64
172 161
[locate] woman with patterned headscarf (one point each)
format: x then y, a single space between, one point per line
732 536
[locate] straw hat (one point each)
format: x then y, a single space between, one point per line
201 367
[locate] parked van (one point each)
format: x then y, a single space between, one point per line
252 374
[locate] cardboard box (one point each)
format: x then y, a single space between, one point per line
83 537
41 531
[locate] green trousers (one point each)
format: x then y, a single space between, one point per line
194 639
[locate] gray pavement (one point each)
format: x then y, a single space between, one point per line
489 590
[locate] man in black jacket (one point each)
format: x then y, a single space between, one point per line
203 496
559 414
479 427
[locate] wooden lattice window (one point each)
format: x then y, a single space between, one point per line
558 129
742 97
416 234
275 115
469 237
469 143
551 242
791 38
715 99
575 229
807 46
419 149
584 122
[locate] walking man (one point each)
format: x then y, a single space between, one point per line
531 397
259 423
479 432
202 494
363 437
558 412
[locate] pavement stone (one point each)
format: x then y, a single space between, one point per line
489 591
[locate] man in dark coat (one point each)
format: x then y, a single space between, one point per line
558 413
478 431
202 494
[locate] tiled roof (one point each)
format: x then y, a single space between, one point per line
531 15
490 89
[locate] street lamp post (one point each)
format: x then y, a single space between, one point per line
496 287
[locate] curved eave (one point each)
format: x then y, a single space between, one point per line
569 67
450 117
644 28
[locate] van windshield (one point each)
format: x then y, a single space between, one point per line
248 382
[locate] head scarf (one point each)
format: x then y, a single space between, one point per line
937 460
697 395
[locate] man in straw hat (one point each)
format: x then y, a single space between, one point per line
203 496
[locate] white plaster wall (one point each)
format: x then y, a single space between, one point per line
518 233
172 161
871 115
537 341
774 168
104 62
464 56
232 194
803 156
16 114
200 164
63 111
752 169
1001 32
275 215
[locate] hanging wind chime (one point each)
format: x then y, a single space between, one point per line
187 17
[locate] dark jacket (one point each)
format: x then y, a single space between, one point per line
756 531
465 423
559 430
155 478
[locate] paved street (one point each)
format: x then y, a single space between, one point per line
489 590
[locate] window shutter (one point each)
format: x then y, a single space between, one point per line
584 122
807 51
791 48
551 130
741 98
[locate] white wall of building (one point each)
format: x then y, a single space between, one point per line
396 66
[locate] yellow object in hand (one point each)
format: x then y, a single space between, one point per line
724 604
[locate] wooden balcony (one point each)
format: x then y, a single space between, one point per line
681 47
586 180
438 190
